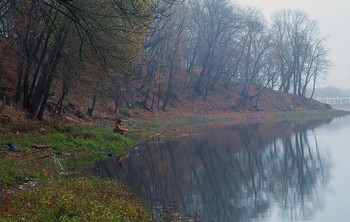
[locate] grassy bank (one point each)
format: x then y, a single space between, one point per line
73 199
32 188
69 138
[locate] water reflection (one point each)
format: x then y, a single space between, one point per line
231 173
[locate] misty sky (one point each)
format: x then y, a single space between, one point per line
334 19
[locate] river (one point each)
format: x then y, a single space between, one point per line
268 172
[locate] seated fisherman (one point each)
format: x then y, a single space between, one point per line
118 128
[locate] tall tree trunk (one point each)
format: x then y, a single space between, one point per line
153 97
49 69
144 102
30 59
19 82
313 86
189 70
158 95
46 96
26 85
202 73
206 89
36 73
3 103
168 91
92 108
65 89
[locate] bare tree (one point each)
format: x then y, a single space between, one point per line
300 47
255 50
213 18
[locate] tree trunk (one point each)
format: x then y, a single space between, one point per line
116 101
46 96
92 108
153 97
19 83
201 75
206 89
65 89
158 95
168 91
3 104
313 87
36 73
49 69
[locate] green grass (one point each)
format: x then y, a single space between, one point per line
71 138
73 199
85 145
15 171
56 197
73 162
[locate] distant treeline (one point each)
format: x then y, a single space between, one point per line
110 46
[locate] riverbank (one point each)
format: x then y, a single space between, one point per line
33 187
38 184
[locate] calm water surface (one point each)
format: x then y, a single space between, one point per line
282 171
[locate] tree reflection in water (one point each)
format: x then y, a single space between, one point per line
231 173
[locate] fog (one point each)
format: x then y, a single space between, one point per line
333 17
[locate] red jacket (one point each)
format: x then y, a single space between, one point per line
119 129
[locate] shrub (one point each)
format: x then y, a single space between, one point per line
125 112
137 113
203 111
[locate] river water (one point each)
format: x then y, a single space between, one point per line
273 171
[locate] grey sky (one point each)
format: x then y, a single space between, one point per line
334 20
